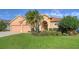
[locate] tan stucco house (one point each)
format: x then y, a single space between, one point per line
19 24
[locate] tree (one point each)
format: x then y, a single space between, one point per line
2 25
69 24
33 17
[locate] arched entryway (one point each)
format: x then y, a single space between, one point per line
44 25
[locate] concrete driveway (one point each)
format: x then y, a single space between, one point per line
7 33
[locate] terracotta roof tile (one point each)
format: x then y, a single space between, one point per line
53 19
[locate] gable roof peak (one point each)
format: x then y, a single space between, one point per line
18 16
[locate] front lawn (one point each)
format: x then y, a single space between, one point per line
30 41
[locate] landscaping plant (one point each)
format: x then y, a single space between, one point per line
2 25
33 17
69 24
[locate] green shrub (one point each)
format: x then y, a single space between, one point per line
2 25
50 29
55 29
65 34
59 34
68 23
53 33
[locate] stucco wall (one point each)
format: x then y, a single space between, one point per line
20 28
15 28
20 25
53 25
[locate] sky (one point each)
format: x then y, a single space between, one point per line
9 14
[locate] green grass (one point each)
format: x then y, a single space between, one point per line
29 41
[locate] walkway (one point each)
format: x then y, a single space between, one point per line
7 33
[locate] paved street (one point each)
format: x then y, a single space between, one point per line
7 33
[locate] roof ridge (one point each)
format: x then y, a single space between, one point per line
16 17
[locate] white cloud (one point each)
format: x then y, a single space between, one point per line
75 14
56 13
66 14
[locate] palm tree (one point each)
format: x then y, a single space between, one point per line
33 17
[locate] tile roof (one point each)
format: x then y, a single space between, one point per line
53 19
